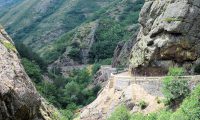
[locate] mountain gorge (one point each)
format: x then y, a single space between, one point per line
99 59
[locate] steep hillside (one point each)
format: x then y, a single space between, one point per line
50 23
37 23
169 36
19 99
86 44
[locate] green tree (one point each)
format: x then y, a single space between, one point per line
175 89
33 70
190 108
72 91
121 113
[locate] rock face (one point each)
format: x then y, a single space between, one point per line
122 52
102 76
84 38
169 36
19 99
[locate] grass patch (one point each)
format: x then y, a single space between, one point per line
8 45
171 19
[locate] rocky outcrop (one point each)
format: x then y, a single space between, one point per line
19 99
102 76
169 36
122 52
83 39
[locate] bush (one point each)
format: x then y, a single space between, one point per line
108 34
189 110
143 104
138 116
121 113
33 70
175 89
95 68
175 71
107 61
75 54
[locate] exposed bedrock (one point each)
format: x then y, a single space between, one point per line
19 99
169 36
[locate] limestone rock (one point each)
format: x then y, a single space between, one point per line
19 99
169 33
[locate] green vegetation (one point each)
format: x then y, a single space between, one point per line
73 92
189 110
52 52
26 52
172 19
108 34
8 45
142 104
44 25
175 89
130 14
121 113
33 70
95 68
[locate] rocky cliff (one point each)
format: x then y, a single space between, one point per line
169 36
19 99
122 52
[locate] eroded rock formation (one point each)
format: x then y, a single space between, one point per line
19 99
169 36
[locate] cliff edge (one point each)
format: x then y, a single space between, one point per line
19 99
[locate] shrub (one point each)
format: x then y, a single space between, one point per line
95 68
8 45
143 104
33 70
189 110
107 61
137 116
108 34
175 71
175 89
164 115
171 19
120 113
75 54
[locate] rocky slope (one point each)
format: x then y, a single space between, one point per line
169 36
19 99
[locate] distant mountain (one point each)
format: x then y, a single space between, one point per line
50 27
